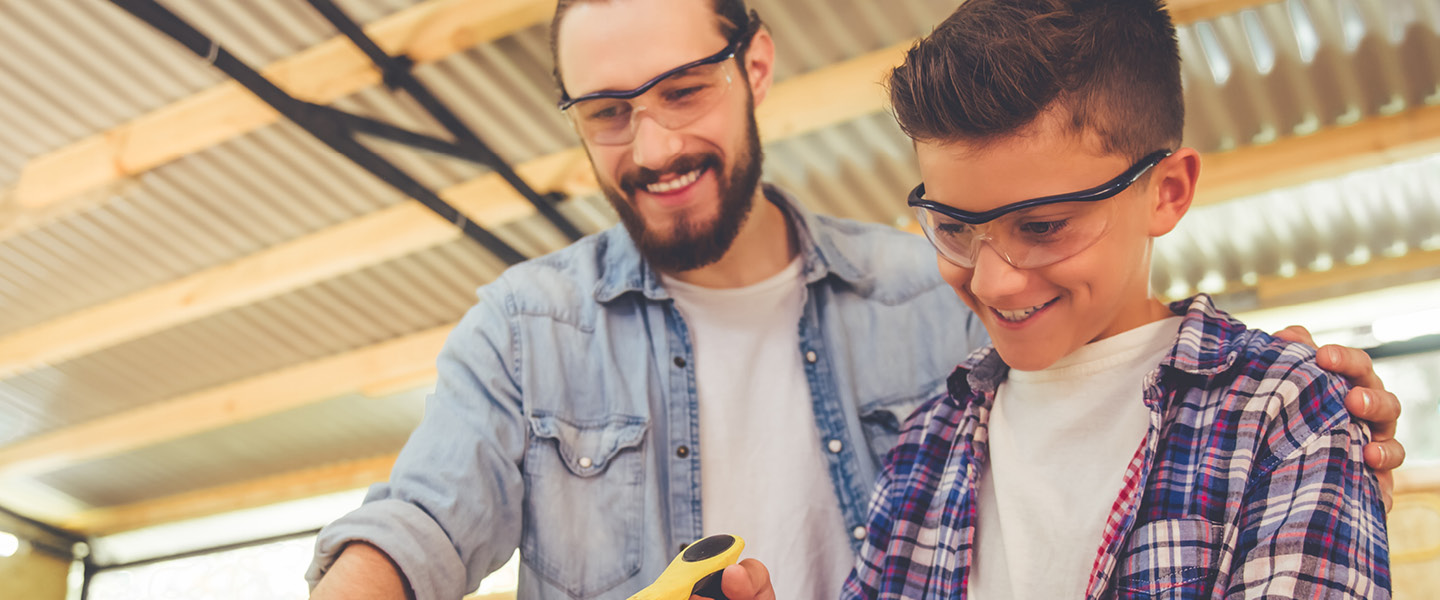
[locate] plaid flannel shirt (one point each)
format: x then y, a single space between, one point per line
1249 484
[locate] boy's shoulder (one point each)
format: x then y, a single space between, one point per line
1250 380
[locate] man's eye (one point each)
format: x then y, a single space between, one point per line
681 94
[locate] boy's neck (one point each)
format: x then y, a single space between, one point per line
1150 311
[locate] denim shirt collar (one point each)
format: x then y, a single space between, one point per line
623 270
1208 344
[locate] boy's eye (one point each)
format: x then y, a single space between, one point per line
951 228
1044 228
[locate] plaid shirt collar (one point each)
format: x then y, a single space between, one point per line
1208 345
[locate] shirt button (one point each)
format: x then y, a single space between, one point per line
835 446
811 357
585 462
680 362
682 451
858 532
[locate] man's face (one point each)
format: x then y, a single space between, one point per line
682 193
1037 316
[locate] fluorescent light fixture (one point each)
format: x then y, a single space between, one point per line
1399 328
9 544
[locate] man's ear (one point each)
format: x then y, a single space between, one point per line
1174 183
760 63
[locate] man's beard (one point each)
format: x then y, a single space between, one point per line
692 245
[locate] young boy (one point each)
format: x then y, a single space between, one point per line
1108 445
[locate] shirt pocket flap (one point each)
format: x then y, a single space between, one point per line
1170 558
586 449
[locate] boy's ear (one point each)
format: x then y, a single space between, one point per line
1174 182
760 63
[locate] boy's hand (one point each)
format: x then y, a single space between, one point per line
1367 401
747 580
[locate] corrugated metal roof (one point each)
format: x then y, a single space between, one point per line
84 66
344 428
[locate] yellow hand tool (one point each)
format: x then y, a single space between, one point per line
696 571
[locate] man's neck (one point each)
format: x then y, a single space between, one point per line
764 247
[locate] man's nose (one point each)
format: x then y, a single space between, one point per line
993 276
654 145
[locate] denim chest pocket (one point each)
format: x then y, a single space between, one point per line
1170 558
882 421
584 501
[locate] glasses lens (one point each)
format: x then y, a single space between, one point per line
954 240
602 120
1026 239
686 96
1049 234
676 101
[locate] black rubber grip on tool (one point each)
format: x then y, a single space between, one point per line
708 547
709 586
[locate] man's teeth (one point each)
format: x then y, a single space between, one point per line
1020 315
674 184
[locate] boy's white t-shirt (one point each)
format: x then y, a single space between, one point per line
757 425
1060 441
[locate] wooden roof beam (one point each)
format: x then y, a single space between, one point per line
426 32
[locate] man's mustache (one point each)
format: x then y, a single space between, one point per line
641 177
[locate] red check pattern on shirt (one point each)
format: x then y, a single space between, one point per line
1249 484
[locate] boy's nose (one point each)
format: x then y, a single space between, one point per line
992 276
654 145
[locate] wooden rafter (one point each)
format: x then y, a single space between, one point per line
426 32
264 491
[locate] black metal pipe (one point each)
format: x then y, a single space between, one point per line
64 535
396 73
329 131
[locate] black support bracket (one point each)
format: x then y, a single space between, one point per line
339 129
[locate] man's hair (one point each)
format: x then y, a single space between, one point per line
994 66
730 16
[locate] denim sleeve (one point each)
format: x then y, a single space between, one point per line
451 512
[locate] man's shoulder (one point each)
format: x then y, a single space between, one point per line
564 280
891 263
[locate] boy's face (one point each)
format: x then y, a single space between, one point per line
683 190
1038 315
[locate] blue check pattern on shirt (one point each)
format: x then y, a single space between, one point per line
1249 484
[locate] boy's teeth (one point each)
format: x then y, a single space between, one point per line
674 184
1019 315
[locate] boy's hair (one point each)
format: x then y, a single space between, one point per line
730 16
993 66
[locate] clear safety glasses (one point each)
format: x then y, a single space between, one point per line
674 99
1028 234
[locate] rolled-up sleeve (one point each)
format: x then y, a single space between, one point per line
451 512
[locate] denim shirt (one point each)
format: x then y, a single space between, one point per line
564 419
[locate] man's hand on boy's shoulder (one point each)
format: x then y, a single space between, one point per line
1368 401
746 580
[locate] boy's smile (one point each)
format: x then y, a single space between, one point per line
1038 315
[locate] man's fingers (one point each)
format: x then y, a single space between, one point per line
1351 363
1380 408
1298 334
1384 455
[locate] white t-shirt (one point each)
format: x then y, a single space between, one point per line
757 426
1060 442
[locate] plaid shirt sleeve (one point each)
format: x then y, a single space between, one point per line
1313 524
